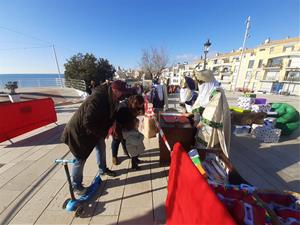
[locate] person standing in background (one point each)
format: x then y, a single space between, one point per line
188 95
159 96
92 87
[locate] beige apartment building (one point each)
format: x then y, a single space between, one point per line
272 67
175 73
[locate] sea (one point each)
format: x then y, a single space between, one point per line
32 80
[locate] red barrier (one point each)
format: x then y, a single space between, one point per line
190 199
21 117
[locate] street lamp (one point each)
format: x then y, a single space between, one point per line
207 44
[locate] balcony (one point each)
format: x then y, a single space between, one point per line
272 66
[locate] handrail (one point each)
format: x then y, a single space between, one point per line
76 84
34 82
46 82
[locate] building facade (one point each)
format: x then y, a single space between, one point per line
272 67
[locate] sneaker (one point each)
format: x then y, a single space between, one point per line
115 160
80 190
107 172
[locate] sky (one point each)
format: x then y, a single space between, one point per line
119 29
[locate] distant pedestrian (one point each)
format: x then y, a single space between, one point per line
89 127
92 87
159 96
188 95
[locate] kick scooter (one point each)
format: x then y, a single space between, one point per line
76 204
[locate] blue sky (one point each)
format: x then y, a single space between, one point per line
119 29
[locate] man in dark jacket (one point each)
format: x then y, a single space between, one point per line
89 127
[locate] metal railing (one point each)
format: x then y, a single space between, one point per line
45 82
76 84
32 82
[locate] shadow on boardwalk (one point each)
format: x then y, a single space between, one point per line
39 139
264 165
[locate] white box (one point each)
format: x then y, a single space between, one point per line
260 107
270 122
267 135
242 130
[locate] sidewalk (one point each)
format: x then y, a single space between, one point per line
33 188
60 96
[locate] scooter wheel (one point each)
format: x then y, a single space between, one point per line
65 203
79 211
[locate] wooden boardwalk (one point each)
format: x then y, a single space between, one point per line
33 188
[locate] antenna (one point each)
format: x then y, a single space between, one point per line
57 65
247 35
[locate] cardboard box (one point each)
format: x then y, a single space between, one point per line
270 122
150 128
260 108
267 135
242 130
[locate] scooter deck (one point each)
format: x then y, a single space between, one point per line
72 205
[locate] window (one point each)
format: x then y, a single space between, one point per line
295 62
248 75
251 63
271 49
275 62
260 63
237 59
288 48
226 60
262 49
293 76
215 70
236 69
272 75
225 70
246 84
215 61
257 75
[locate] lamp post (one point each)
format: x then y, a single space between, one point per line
207 44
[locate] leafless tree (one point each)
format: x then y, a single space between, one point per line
153 61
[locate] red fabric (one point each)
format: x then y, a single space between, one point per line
244 212
288 213
241 206
190 199
174 119
281 199
21 117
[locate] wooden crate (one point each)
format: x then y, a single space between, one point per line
178 131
